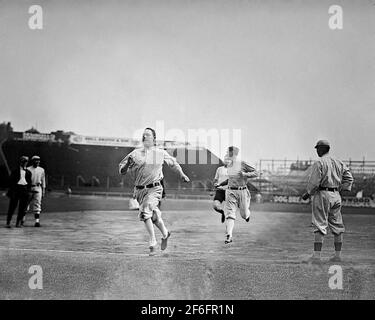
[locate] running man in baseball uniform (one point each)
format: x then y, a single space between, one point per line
328 176
147 163
38 187
220 176
237 195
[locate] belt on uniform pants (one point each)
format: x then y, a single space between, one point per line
237 188
151 185
36 185
328 189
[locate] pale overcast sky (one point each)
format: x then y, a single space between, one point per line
273 69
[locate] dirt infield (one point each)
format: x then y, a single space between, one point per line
103 255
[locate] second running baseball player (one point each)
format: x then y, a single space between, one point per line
237 195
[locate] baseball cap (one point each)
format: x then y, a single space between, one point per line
24 158
35 158
322 143
234 149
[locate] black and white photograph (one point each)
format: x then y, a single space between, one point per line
187 151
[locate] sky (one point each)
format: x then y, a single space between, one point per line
272 70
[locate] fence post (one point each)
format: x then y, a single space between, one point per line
260 176
364 163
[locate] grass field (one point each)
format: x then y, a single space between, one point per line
93 249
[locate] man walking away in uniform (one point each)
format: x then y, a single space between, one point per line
18 193
328 176
38 187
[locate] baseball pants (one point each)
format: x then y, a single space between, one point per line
237 199
326 212
35 204
148 199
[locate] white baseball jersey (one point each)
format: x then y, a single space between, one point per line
147 165
38 177
329 172
234 173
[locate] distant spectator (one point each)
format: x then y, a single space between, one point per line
258 198
18 193
69 191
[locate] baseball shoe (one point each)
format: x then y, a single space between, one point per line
247 219
37 224
152 251
152 247
164 242
335 259
228 239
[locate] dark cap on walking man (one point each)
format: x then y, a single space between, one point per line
322 143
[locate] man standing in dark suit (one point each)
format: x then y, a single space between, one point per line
20 183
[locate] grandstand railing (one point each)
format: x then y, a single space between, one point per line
285 166
289 177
